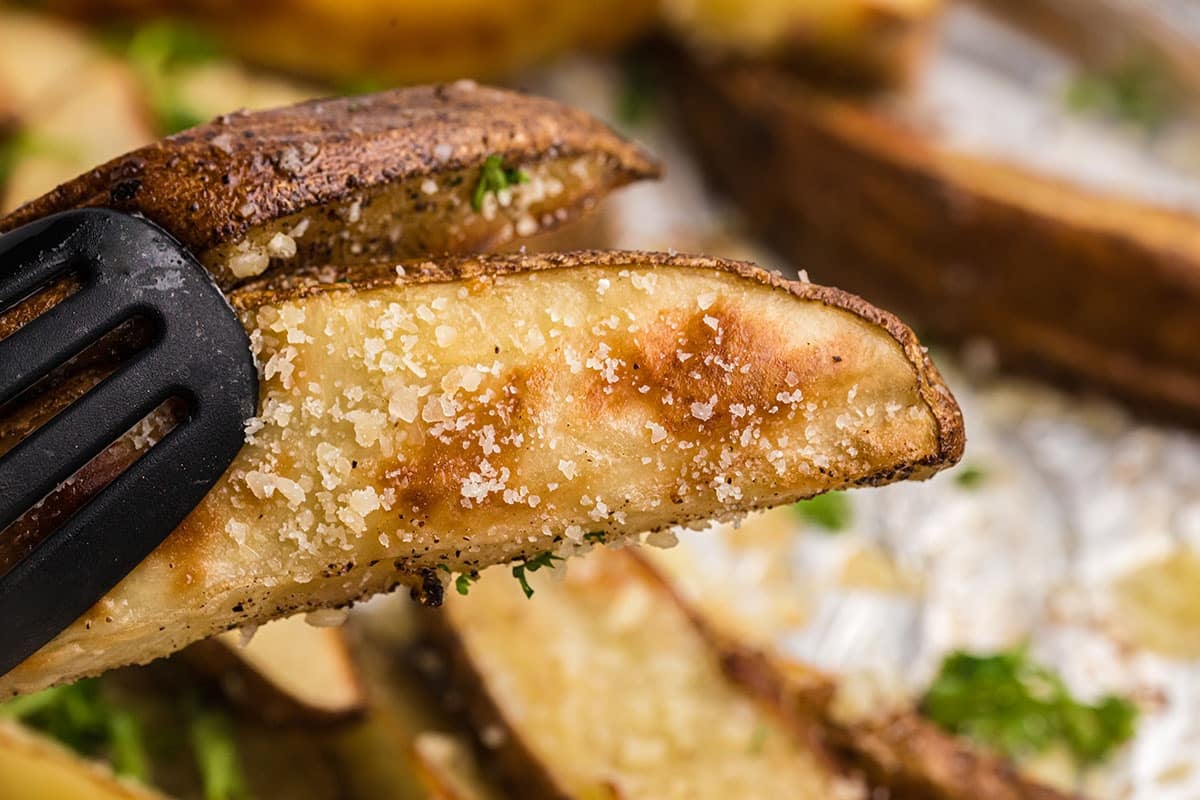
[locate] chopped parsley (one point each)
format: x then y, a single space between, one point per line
758 741
495 177
599 537
1020 708
830 511
82 719
638 92
8 157
463 582
1137 91
156 51
546 559
24 144
970 476
216 755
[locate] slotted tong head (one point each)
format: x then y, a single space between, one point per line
196 354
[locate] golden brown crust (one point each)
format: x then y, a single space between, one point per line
214 185
932 387
1088 289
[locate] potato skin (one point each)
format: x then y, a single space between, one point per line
215 185
1088 290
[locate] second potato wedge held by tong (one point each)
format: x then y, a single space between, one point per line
361 179
447 415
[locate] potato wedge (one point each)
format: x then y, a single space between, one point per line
354 180
33 767
898 752
476 412
599 686
39 60
862 41
450 769
290 672
69 105
410 42
964 247
101 116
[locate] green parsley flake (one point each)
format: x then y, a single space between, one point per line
494 177
830 511
546 559
1137 91
758 741
1006 701
970 476
638 92
216 755
463 582
158 51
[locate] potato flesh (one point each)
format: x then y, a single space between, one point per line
460 424
426 214
607 684
35 768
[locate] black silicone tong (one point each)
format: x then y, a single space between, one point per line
198 353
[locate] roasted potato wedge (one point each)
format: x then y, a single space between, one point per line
69 105
352 180
898 752
33 767
451 770
410 42
289 672
469 413
1090 289
860 41
599 686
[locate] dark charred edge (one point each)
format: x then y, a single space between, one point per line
931 386
247 689
212 184
464 695
899 753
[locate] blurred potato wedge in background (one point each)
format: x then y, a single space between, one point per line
36 767
620 651
963 246
602 689
397 43
859 41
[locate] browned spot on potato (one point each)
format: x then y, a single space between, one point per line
432 481
183 550
688 358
